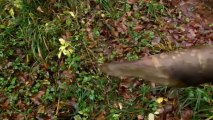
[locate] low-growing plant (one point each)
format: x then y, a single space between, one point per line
65 48
155 9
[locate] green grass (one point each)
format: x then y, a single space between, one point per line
35 82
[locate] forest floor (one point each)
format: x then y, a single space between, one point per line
51 50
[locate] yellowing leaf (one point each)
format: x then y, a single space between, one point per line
72 14
70 51
18 3
62 41
65 52
62 48
160 100
65 48
46 82
59 54
12 12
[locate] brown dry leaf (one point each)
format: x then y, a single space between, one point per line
90 34
138 27
93 44
25 78
68 75
21 105
191 34
114 32
137 83
101 116
36 98
41 109
186 114
140 117
63 108
168 108
123 89
175 2
127 49
9 64
5 105
22 78
71 104
132 1
20 117
121 27
176 37
125 93
110 24
156 40
119 49
53 1
186 44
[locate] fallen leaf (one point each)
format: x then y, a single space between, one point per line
138 28
132 1
90 34
20 117
53 1
36 98
101 116
41 109
39 9
121 27
120 105
5 105
124 88
186 114
140 117
21 105
151 116
156 40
